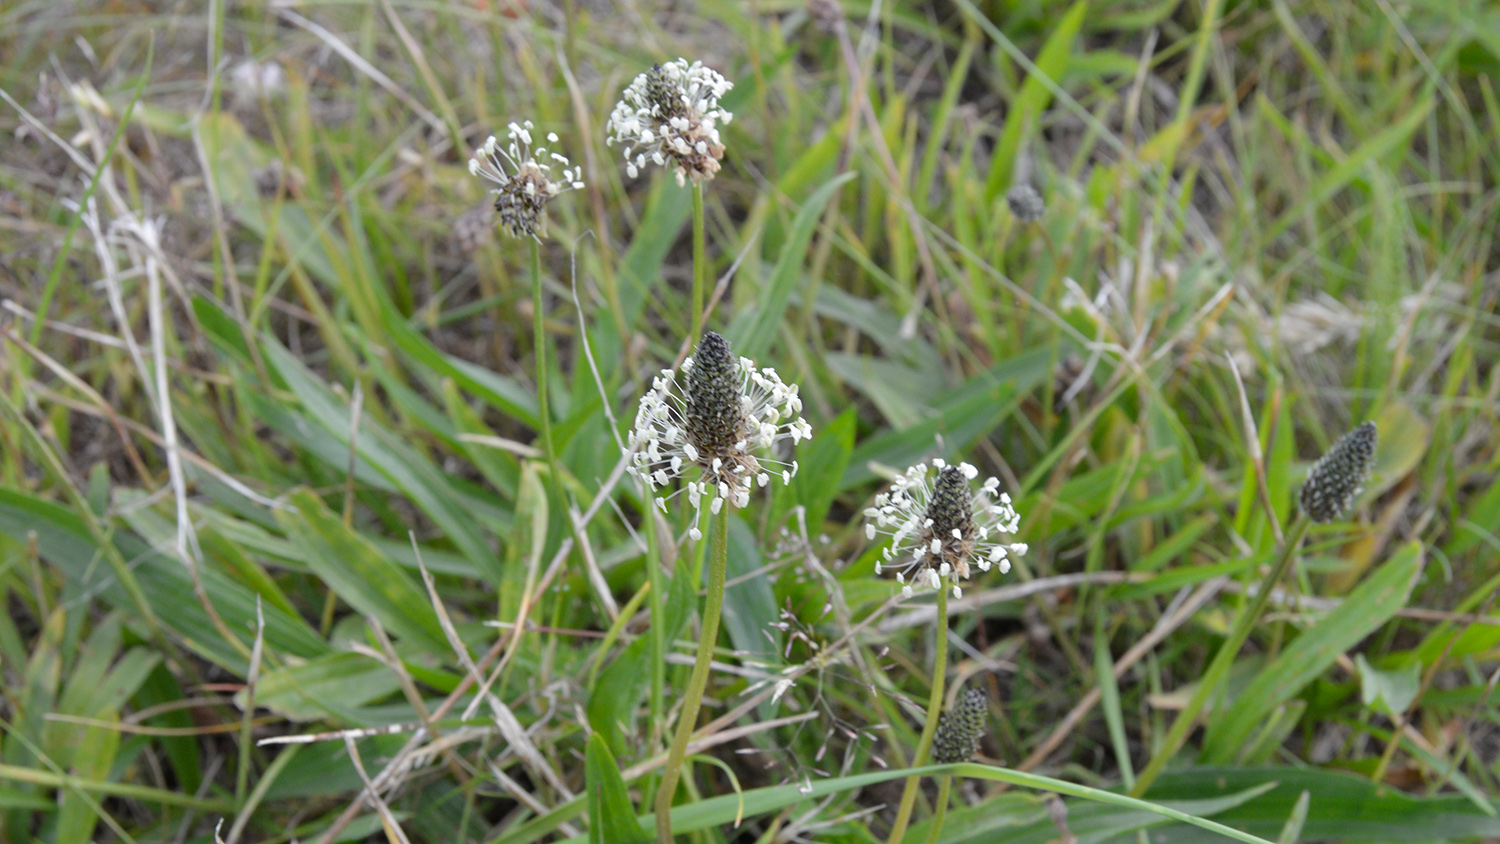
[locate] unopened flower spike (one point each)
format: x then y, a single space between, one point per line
525 178
716 412
1337 477
670 116
941 529
960 729
1026 203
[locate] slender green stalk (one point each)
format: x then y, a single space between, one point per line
657 630
1219 668
940 812
539 343
718 562
700 260
934 709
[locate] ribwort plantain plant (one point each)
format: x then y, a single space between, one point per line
524 184
711 417
941 533
1327 494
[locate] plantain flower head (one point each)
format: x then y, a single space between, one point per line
715 412
940 529
1025 203
1337 477
670 116
524 178
960 729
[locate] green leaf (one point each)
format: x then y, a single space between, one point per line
330 686
753 329
1344 807
360 575
613 700
961 416
527 541
749 603
611 816
821 463
1036 95
65 542
1027 820
394 458
1369 606
720 811
1388 692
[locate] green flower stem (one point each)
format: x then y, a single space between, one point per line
700 261
540 350
940 812
718 562
658 618
1219 668
934 709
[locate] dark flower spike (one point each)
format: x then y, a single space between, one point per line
670 116
523 178
1337 477
941 529
1026 203
960 729
715 412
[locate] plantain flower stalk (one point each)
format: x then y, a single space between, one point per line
941 531
704 425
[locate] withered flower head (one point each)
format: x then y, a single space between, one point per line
1026 203
670 116
523 178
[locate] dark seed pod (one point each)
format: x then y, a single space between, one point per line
1334 481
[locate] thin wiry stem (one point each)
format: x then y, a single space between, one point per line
700 259
713 603
940 811
1219 668
658 634
934 709
539 343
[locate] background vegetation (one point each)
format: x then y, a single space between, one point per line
265 407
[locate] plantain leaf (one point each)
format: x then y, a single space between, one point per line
360 575
1369 606
753 329
611 816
